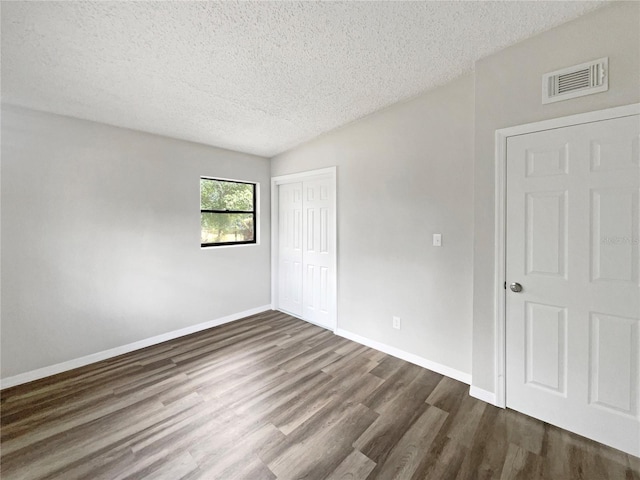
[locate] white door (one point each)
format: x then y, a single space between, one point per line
290 248
306 247
318 248
573 234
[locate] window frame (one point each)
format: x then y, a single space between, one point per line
253 212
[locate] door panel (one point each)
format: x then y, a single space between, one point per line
290 248
614 352
318 258
613 215
546 237
573 234
546 346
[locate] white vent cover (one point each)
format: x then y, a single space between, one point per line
584 79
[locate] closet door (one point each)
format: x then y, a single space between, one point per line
304 248
290 230
318 258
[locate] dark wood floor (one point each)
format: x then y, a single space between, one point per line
272 397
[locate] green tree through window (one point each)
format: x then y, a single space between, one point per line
227 212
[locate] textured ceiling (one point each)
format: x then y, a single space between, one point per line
258 77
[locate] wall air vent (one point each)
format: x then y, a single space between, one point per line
584 79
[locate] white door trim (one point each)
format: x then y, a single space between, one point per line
500 298
292 178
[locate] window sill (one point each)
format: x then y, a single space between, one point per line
216 247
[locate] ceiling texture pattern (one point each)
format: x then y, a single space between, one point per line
257 77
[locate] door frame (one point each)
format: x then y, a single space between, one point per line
275 229
500 298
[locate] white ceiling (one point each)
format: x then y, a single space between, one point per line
258 77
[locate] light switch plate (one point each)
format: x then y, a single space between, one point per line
437 239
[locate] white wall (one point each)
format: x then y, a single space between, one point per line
100 225
508 93
404 174
101 239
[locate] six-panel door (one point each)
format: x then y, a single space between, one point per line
573 233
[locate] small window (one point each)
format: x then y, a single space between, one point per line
227 212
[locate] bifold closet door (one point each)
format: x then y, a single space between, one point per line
306 250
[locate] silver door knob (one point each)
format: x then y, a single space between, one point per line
515 287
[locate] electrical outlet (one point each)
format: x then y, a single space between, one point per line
396 323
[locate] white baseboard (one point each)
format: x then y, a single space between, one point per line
114 352
484 395
409 357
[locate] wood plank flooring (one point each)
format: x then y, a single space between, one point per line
272 397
